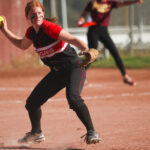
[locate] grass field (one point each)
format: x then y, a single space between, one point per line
129 62
140 59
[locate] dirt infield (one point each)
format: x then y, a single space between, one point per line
121 113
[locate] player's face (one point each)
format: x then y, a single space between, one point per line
36 16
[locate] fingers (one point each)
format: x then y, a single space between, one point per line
1 21
4 24
81 21
83 52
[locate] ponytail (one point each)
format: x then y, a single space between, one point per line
54 19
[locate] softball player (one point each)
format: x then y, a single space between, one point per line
51 44
100 13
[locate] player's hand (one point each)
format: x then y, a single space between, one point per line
140 1
81 21
4 24
90 56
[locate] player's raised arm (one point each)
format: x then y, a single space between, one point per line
83 15
20 42
67 37
127 3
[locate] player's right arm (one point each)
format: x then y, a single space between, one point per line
85 12
81 20
22 43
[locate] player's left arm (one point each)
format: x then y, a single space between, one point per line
67 37
90 54
127 3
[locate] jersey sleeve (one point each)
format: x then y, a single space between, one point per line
28 33
88 6
53 30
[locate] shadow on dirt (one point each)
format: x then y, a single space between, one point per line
21 147
74 149
29 148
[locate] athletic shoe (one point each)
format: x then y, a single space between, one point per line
92 137
128 80
32 138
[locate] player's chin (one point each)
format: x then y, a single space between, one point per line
38 22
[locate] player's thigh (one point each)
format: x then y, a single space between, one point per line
75 83
92 36
46 88
109 43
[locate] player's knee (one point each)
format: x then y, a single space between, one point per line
75 102
30 106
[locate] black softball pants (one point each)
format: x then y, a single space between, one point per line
73 80
97 33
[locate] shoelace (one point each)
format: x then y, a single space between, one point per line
27 135
83 136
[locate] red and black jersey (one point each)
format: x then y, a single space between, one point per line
46 41
47 45
100 10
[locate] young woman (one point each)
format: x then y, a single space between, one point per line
52 44
100 13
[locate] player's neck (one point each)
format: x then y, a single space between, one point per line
36 28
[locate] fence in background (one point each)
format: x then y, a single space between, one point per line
131 29
129 26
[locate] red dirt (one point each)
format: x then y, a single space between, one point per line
120 113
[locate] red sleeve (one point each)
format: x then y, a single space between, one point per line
52 29
28 32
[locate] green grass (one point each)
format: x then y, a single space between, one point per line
136 62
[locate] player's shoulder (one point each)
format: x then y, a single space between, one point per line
47 23
29 30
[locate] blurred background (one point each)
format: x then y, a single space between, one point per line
129 28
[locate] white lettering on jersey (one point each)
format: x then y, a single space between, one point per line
52 49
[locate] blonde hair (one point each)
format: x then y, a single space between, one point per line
35 3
